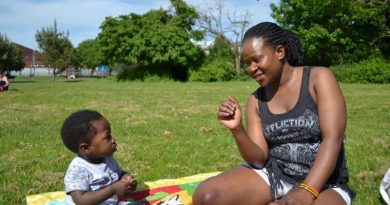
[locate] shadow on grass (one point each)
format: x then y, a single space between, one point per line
72 81
24 81
383 202
9 90
13 89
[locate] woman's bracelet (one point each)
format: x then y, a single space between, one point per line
309 189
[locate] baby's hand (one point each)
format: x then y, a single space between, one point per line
125 185
130 180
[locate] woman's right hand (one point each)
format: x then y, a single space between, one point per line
229 113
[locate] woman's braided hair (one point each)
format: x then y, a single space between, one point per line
273 35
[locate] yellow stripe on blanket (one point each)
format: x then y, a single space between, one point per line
162 192
46 198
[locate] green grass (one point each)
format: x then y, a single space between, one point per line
164 130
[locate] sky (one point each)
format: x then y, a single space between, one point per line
20 19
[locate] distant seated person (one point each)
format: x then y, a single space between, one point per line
71 77
4 83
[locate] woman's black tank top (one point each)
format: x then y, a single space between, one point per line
294 138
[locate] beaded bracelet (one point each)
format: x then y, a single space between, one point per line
309 189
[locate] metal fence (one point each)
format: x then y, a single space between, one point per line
31 72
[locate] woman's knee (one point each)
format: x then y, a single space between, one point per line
237 186
206 195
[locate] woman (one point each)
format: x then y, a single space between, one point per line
295 124
4 83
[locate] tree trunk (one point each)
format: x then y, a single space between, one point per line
340 54
54 74
92 71
238 61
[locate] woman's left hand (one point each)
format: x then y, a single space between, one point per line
296 196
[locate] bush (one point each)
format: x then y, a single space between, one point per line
373 70
216 70
148 74
218 65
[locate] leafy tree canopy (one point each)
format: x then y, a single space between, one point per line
155 43
56 48
220 49
10 56
88 55
218 65
336 31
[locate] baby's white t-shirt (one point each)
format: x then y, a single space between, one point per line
85 176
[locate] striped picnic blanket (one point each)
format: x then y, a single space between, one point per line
161 192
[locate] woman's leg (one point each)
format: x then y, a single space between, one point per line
238 186
329 196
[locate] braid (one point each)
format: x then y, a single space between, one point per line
293 49
274 35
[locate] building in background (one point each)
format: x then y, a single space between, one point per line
29 56
33 64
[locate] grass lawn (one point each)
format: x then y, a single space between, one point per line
164 130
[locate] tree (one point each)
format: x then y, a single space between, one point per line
335 31
89 55
225 25
10 56
383 39
155 43
56 48
218 65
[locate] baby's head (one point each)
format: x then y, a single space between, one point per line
88 132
